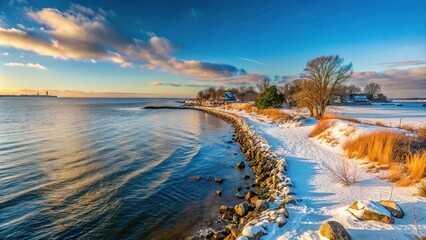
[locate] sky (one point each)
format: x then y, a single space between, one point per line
176 48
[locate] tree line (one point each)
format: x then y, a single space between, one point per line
321 81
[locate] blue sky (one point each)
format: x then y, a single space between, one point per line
176 48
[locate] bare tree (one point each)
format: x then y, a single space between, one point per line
352 89
343 171
264 84
372 90
325 74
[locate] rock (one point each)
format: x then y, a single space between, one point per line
218 192
239 195
241 209
249 195
218 180
281 221
262 205
370 210
196 178
230 142
393 208
235 232
333 230
241 164
235 218
226 216
288 200
245 177
229 237
225 208
218 236
238 189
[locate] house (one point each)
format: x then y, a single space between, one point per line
359 98
228 97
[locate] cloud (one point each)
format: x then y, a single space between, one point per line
155 83
12 2
28 65
83 34
253 61
395 82
177 84
5 54
405 63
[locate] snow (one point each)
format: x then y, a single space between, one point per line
252 230
390 115
368 205
319 197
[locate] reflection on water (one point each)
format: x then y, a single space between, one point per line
105 168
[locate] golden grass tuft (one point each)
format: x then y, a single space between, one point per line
321 126
272 114
334 116
396 172
382 147
421 189
415 168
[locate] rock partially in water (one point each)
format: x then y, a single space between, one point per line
241 209
241 164
239 195
218 180
245 177
218 192
196 178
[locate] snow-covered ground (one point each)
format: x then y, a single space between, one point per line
410 113
322 198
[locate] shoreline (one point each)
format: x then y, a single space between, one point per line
271 188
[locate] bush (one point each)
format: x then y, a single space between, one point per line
269 98
421 189
320 127
343 172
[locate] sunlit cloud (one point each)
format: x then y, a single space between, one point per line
395 82
5 54
27 65
83 34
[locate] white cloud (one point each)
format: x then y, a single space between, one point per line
28 65
82 33
5 54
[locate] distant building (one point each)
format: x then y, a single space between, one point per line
47 93
359 98
228 97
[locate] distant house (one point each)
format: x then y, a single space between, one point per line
228 97
359 98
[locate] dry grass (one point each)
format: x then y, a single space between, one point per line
333 116
383 147
272 114
415 169
421 189
421 133
321 126
408 128
396 172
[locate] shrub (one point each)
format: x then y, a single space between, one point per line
415 169
320 127
421 133
343 172
383 147
269 98
396 172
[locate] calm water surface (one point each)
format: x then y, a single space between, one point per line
107 169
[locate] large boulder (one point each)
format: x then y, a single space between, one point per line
333 230
393 208
370 210
241 209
